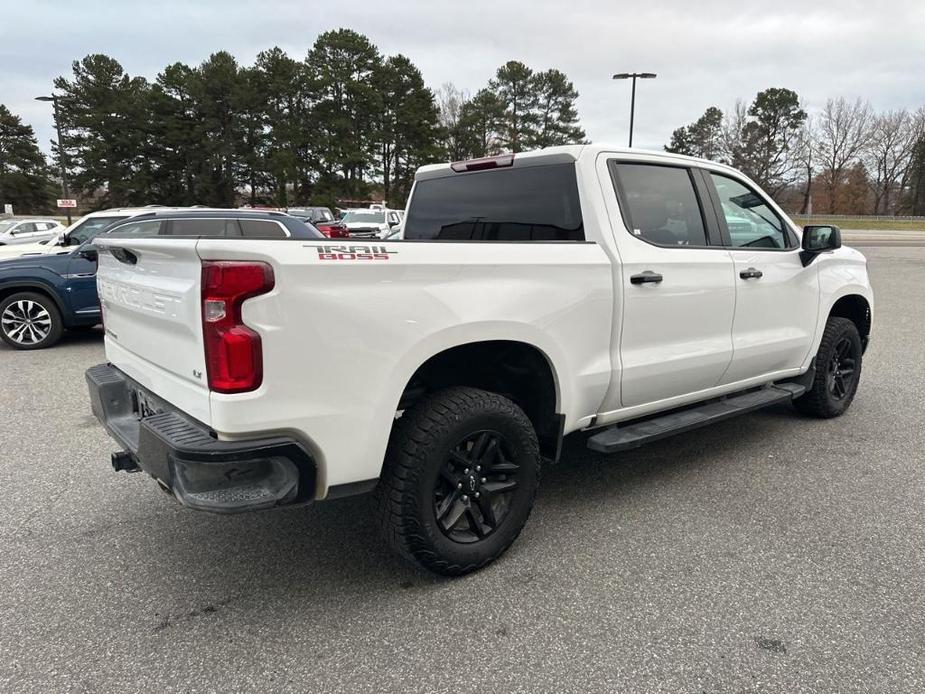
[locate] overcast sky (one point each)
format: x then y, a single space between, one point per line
708 52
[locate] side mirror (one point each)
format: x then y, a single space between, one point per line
819 239
89 252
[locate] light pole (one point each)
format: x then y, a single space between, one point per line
62 155
633 76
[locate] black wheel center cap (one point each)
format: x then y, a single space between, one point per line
473 483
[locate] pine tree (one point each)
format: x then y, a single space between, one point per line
481 123
514 85
341 65
407 128
556 114
702 138
104 121
24 175
775 121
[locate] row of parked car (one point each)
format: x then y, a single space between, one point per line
377 221
48 279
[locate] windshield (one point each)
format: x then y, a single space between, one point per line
7 225
368 216
90 227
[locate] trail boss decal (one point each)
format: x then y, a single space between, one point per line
353 252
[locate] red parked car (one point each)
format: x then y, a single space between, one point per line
322 219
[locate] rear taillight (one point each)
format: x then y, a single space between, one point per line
234 357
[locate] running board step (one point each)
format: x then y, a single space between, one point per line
634 435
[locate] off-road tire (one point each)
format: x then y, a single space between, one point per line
819 400
420 457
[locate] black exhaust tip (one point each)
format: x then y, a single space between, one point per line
123 460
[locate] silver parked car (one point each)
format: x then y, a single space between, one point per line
14 231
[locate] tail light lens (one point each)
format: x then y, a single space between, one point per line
234 356
498 162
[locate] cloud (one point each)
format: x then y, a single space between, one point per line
705 53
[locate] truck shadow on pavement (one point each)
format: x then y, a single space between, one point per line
332 551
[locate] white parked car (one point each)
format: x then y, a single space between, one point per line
372 223
576 288
27 231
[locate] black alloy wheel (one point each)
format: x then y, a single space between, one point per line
841 368
474 490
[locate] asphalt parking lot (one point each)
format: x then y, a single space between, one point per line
769 553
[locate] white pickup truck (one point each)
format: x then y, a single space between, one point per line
636 294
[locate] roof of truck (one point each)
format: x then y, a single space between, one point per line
571 153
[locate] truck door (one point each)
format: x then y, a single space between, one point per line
677 284
777 299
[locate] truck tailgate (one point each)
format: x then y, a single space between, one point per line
150 292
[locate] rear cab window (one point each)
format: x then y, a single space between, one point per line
516 204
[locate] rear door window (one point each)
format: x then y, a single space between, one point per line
531 203
202 227
136 230
262 229
660 205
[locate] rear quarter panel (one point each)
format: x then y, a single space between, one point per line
342 337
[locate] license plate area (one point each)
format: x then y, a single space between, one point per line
144 404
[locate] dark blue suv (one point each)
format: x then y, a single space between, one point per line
41 296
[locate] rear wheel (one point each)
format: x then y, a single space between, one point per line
460 478
838 371
30 321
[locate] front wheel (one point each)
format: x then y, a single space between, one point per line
30 321
461 474
838 371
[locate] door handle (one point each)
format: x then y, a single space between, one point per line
750 274
647 277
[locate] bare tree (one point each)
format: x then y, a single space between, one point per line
893 138
804 152
917 137
843 137
450 102
732 135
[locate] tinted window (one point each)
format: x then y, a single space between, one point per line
535 203
751 222
662 207
202 227
261 229
25 228
136 229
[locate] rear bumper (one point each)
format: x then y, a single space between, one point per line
186 458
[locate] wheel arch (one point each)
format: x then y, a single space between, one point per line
38 288
855 308
516 369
